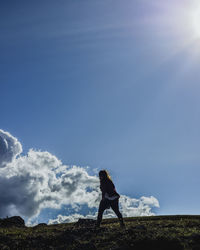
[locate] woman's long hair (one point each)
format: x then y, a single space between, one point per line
105 175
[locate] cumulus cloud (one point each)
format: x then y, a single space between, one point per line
71 218
39 180
10 148
129 207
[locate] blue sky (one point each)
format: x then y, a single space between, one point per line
108 84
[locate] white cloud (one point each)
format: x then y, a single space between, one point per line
138 207
39 180
70 218
129 207
10 148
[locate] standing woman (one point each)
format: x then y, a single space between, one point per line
110 198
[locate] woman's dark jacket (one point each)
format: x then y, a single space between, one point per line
108 187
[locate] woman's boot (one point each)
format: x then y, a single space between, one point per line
121 221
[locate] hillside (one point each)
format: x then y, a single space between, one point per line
156 232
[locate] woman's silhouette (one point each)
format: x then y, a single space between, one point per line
110 198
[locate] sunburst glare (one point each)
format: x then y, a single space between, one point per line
196 23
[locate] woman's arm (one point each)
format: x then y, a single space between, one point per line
103 190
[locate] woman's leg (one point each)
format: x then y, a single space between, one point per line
115 207
102 206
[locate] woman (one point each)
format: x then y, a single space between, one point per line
110 198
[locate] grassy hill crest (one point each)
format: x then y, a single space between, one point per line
152 232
